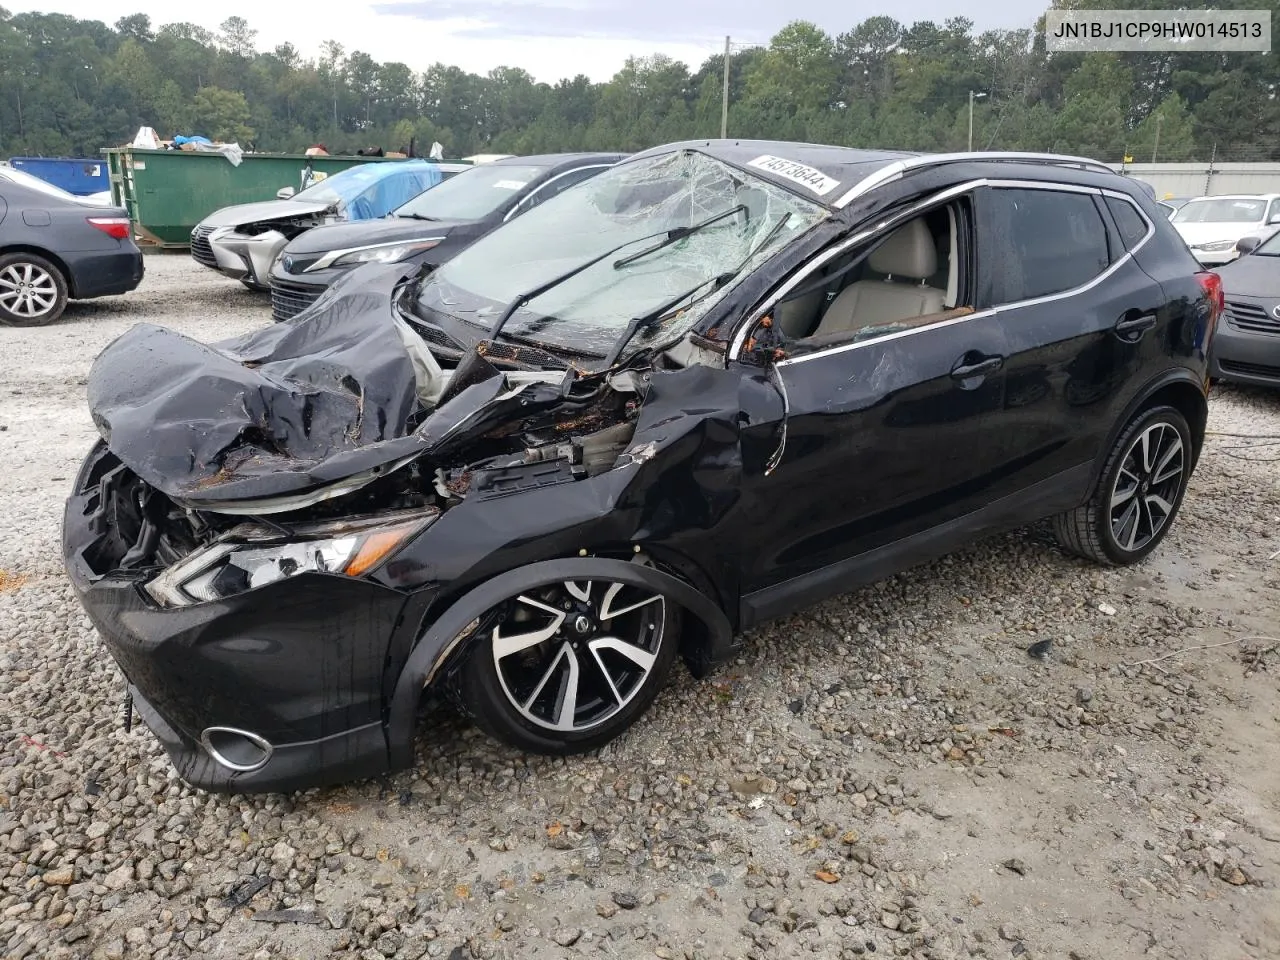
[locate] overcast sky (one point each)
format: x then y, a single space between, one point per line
549 38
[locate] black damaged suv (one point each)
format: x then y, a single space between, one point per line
716 382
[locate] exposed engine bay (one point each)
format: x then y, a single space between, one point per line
343 417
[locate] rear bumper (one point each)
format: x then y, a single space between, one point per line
104 274
1244 357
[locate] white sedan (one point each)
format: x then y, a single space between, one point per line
1211 226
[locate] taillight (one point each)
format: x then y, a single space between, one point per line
1211 283
117 227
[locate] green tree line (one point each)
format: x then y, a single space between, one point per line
71 86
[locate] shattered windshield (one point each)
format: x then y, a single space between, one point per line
632 209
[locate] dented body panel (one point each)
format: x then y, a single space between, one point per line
733 469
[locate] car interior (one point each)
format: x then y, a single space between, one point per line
910 278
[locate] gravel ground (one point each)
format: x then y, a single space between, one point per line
888 774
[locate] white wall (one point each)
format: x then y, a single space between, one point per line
1198 179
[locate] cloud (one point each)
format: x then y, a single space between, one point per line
699 21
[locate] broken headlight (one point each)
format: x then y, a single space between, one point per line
252 556
375 253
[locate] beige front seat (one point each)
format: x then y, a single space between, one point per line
908 256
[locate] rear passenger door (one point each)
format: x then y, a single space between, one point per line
1078 314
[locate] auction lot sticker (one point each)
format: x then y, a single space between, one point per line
808 177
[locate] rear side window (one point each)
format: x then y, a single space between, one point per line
1130 223
1046 242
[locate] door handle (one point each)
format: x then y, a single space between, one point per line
980 368
1131 329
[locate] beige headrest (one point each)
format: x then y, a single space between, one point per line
909 252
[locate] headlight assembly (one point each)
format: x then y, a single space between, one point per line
1216 246
377 253
252 556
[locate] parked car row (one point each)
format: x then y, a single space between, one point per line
539 469
437 222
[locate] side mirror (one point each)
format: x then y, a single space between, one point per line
1247 244
1275 218
284 193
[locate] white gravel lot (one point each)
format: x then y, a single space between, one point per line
888 774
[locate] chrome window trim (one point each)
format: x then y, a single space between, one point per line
740 337
546 183
899 167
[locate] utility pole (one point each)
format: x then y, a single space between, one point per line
972 96
1156 145
724 96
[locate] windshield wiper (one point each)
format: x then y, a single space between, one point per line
414 216
679 233
651 318
536 292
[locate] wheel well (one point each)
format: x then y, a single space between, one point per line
1191 403
695 637
53 258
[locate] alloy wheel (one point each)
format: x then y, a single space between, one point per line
570 656
27 290
1147 486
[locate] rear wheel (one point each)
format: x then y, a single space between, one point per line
33 291
565 668
1138 493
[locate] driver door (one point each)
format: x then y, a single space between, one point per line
888 435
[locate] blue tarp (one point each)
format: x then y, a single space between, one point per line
73 174
373 190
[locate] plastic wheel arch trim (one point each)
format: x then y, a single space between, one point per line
445 634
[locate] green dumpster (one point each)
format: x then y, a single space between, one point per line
167 192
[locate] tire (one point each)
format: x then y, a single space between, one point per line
33 292
1100 530
517 693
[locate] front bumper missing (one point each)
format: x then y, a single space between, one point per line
243 257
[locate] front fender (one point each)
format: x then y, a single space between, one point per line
444 634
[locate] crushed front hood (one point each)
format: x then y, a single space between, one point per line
349 392
244 213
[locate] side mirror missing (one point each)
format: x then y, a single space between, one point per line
284 193
1247 244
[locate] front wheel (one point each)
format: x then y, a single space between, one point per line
33 291
565 668
1138 494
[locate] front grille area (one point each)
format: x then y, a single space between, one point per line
1252 317
201 251
290 299
1250 369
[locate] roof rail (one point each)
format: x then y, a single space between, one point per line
899 167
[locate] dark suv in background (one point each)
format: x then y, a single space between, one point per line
434 224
